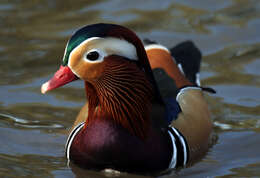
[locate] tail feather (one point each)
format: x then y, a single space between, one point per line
188 58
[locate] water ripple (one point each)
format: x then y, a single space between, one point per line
35 124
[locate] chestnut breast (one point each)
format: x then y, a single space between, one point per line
102 144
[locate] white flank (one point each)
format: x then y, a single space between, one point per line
183 90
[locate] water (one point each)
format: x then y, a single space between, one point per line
33 34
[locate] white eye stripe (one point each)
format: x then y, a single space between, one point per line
100 58
119 47
79 46
109 46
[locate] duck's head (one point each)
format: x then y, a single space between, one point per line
92 47
112 61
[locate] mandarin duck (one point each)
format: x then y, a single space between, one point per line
128 123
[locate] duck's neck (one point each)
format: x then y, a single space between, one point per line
123 95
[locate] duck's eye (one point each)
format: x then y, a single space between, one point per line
92 56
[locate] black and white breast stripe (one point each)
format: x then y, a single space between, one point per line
73 133
180 148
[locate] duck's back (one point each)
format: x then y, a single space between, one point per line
174 68
177 74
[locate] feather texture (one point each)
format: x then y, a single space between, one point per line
123 94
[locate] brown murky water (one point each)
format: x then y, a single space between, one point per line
33 35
